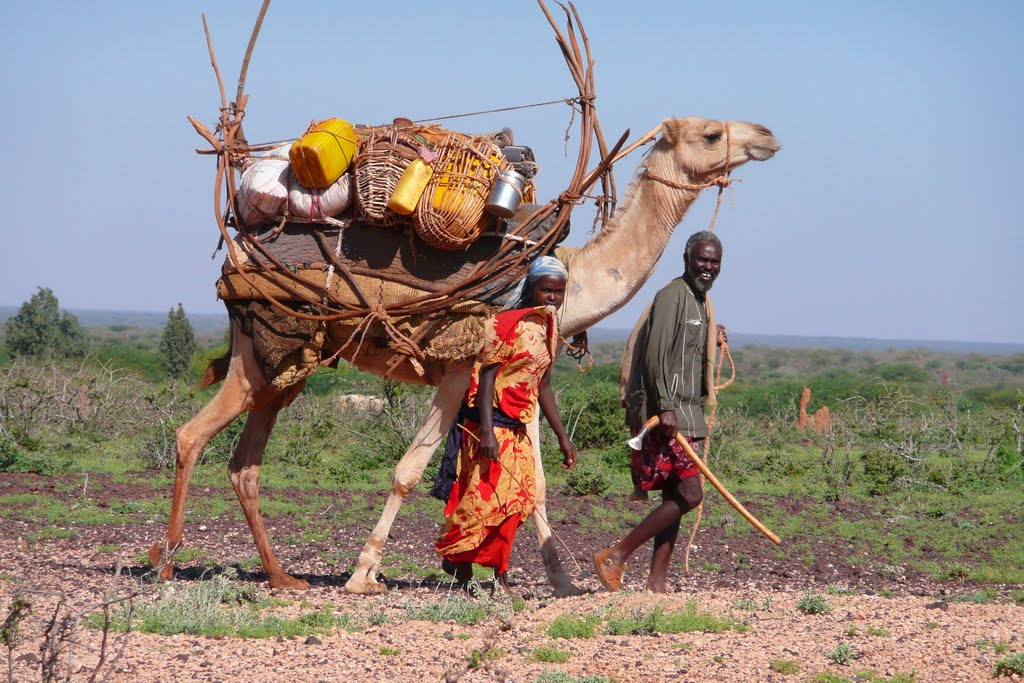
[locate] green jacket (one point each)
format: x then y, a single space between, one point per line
666 364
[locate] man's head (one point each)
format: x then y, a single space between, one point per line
702 257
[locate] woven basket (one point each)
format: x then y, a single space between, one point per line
450 214
382 158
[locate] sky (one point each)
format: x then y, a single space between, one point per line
889 213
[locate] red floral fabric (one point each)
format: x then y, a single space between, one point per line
658 459
490 499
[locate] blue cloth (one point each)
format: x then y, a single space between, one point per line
448 471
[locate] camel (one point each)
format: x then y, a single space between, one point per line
603 275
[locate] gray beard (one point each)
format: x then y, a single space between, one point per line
699 285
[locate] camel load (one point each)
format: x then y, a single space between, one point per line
393 242
447 187
380 217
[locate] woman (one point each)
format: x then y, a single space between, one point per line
495 487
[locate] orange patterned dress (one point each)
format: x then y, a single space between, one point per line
490 499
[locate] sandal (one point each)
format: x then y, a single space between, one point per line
606 572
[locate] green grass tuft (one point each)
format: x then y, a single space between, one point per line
456 608
550 655
784 667
562 677
843 654
690 620
812 603
218 607
1014 664
573 626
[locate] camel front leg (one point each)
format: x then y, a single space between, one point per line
443 409
244 470
557 578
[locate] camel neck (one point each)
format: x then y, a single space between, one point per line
614 265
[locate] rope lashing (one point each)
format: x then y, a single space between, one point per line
565 100
578 349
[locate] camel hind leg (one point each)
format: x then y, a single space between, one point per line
243 389
244 470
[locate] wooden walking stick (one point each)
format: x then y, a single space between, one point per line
653 422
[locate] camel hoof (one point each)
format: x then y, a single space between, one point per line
364 585
164 567
289 583
568 591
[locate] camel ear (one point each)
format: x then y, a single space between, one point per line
670 131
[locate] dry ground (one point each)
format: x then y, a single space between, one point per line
921 628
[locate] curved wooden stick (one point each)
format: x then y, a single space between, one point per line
653 422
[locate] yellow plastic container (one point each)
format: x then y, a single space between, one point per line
323 153
410 187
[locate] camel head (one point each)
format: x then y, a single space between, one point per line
704 148
690 153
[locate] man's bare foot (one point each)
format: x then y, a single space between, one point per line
609 570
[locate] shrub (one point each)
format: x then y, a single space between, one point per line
458 609
591 413
1008 455
386 437
588 479
843 654
217 607
812 603
562 677
20 461
904 373
884 471
689 620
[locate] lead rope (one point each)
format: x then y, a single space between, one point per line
722 182
707 445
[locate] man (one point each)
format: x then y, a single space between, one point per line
668 372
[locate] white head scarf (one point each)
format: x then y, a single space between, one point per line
539 267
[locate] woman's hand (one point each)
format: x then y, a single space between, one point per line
568 452
488 444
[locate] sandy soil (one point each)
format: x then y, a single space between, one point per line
921 629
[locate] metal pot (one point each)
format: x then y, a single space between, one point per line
506 194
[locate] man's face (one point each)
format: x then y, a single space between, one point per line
703 264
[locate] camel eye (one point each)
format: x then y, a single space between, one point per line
712 138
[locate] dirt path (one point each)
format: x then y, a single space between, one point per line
895 620
935 639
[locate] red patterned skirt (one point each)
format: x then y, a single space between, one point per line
659 459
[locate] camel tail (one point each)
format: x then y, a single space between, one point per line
216 371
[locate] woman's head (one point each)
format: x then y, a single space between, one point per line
545 283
